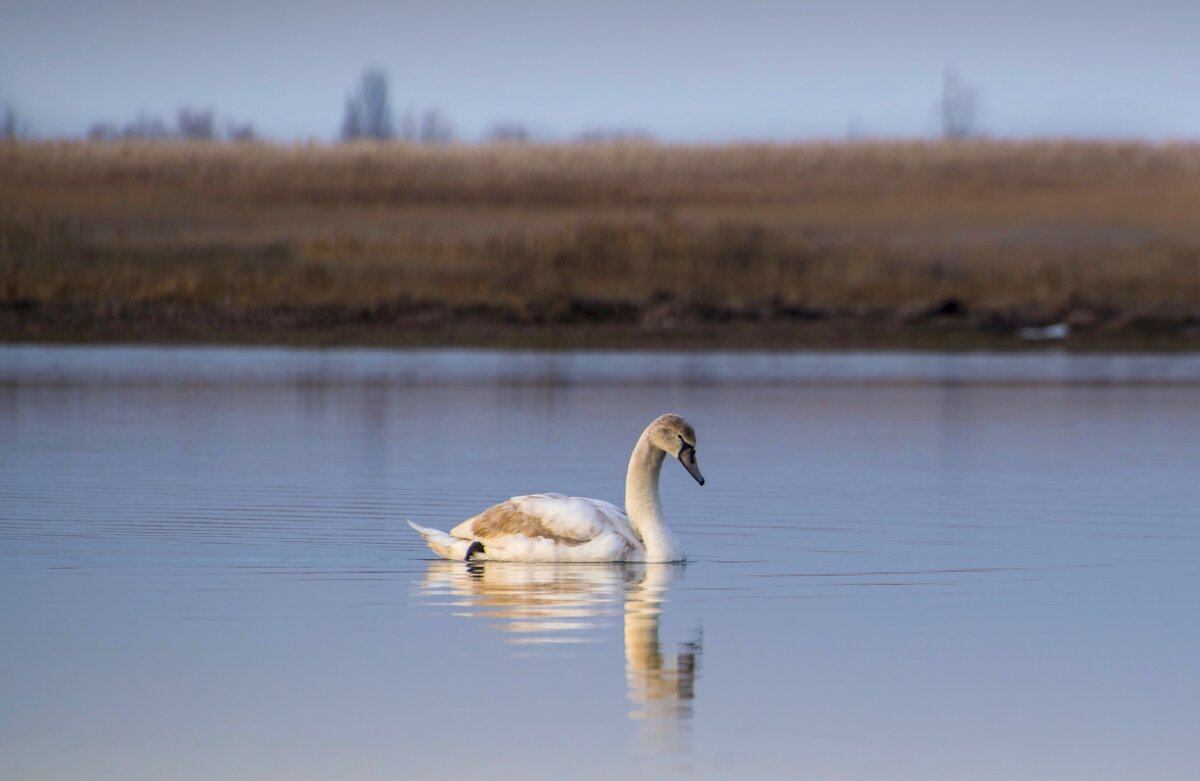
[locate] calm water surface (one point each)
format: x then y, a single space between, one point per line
902 567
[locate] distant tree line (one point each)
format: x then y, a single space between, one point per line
191 124
368 115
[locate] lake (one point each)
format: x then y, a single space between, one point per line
902 566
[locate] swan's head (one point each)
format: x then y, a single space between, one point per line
673 434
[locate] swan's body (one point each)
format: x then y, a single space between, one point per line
543 527
553 527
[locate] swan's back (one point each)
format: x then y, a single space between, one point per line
552 527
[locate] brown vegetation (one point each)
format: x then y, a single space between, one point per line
605 243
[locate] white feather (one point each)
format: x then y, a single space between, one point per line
553 527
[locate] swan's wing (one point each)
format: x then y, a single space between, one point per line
564 520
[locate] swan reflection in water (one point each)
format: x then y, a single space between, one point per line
543 606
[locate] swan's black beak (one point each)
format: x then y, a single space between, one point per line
687 457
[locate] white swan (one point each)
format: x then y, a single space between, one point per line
553 527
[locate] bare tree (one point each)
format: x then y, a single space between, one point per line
240 131
408 125
368 114
855 129
196 124
10 125
352 120
377 114
146 126
103 131
435 128
959 107
509 133
190 123
143 127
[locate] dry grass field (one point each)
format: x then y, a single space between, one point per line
740 245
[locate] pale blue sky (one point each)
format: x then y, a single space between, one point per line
704 71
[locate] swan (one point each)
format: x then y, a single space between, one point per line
553 527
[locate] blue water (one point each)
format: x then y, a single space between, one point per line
896 570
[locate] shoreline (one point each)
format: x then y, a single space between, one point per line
592 325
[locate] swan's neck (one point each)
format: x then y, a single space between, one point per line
643 505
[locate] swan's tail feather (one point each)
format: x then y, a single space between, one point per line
453 548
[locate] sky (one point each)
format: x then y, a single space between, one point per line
705 71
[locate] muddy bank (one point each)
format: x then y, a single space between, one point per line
661 321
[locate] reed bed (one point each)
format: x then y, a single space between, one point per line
207 240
